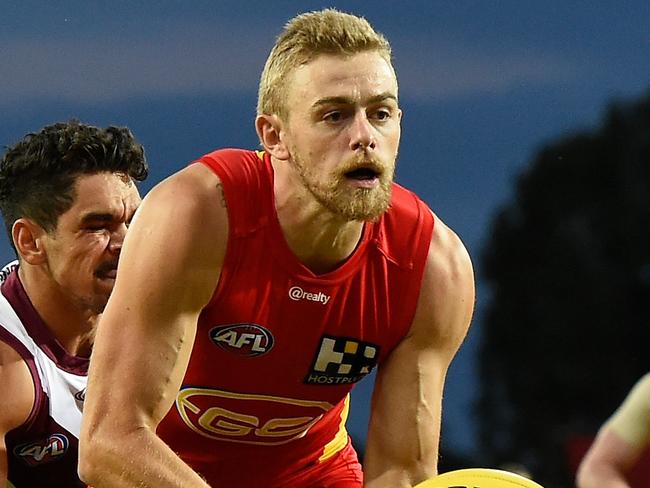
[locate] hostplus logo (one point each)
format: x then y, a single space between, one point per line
296 293
342 360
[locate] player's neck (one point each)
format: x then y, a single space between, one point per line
321 239
322 247
71 324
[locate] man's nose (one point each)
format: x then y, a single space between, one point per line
117 238
362 133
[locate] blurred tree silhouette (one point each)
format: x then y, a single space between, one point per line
567 330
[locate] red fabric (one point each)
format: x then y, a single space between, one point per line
279 348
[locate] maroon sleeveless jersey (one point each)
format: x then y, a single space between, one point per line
44 450
278 348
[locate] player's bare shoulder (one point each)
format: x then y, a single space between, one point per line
193 188
180 230
14 377
188 200
447 295
448 256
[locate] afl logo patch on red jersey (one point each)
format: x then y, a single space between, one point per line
242 339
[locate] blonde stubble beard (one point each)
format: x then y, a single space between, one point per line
352 204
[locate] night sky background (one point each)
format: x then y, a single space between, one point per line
483 86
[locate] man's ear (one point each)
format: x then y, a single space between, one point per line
269 130
29 239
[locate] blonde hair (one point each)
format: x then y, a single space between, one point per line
305 37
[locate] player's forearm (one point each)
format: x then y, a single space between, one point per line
403 450
395 478
381 471
139 460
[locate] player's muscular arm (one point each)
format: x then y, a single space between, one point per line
18 399
168 270
403 437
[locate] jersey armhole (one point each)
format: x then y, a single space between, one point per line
28 359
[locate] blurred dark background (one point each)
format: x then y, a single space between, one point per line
526 128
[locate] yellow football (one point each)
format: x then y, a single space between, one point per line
478 478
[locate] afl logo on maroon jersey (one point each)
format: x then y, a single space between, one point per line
242 339
43 451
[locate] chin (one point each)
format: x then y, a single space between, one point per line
97 302
363 211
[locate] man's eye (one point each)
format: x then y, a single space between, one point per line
98 227
333 116
382 114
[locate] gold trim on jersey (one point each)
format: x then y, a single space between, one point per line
340 440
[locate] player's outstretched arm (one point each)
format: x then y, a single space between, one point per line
403 437
17 386
168 270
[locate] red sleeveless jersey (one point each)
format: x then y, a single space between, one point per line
278 348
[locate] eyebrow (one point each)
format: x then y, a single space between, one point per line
97 217
349 101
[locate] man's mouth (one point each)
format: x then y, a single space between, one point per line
111 274
363 177
362 174
107 272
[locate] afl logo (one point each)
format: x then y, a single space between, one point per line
43 451
242 339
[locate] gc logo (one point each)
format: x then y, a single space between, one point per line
230 417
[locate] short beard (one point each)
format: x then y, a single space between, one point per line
95 304
352 204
